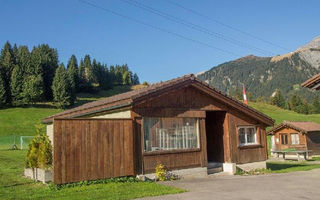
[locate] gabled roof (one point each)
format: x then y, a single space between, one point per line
303 127
129 98
312 83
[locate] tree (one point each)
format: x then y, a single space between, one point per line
7 62
296 104
250 96
135 79
278 100
62 91
3 92
44 62
73 75
126 78
18 75
32 89
88 69
316 105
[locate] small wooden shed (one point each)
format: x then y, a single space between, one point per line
183 123
298 135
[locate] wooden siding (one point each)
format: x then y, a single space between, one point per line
179 159
289 131
313 142
189 102
89 149
246 154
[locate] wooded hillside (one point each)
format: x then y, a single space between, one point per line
27 77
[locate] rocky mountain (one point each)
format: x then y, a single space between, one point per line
263 75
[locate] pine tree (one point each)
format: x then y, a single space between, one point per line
32 89
135 79
296 104
73 75
18 75
44 62
316 105
126 78
278 100
7 61
88 69
3 92
61 88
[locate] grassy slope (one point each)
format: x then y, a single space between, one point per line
22 121
279 115
14 186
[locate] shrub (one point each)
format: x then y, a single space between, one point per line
39 154
161 171
163 174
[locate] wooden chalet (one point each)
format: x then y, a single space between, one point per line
312 83
303 136
182 123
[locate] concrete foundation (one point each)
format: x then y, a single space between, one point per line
38 174
184 173
253 166
229 168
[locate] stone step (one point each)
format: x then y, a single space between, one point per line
214 170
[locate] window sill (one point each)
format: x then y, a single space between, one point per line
170 151
250 146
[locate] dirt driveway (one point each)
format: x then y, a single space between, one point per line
295 185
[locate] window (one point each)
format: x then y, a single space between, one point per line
284 138
247 135
170 133
295 138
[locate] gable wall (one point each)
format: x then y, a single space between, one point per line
277 138
192 102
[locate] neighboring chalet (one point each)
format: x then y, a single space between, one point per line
183 123
312 83
304 136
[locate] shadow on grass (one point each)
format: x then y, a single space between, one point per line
282 166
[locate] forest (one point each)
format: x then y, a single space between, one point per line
28 77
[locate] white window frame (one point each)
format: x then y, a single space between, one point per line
245 135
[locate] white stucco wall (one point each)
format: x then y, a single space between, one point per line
126 114
50 132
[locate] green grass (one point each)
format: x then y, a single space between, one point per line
22 121
285 167
279 115
14 186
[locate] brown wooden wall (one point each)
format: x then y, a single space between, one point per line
250 153
192 102
178 159
279 146
313 142
89 149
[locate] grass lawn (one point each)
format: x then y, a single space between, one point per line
279 115
285 167
14 186
22 121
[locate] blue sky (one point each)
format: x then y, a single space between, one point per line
76 28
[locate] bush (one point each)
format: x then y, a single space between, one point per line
163 174
39 153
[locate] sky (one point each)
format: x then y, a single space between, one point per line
166 45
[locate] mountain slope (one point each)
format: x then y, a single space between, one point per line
263 75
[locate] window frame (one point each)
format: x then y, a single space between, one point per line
166 151
281 140
255 136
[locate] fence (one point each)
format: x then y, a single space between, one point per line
21 142
89 149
